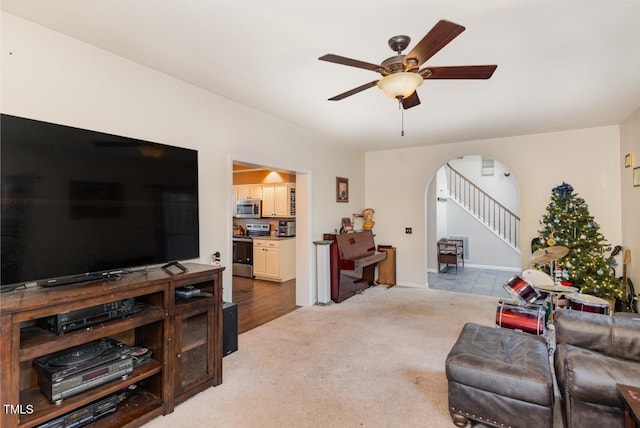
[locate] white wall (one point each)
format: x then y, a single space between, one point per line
630 143
588 159
486 249
51 77
500 187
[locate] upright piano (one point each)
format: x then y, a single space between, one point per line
352 251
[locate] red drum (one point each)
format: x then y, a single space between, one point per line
530 319
522 290
587 303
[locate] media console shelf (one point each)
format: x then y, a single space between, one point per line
184 334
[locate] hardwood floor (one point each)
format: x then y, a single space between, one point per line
262 301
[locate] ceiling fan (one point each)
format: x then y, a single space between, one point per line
401 74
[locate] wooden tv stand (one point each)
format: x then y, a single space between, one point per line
185 335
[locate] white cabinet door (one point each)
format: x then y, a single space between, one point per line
255 191
281 200
248 191
277 199
242 192
268 200
273 262
259 259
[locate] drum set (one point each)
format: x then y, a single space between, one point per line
536 296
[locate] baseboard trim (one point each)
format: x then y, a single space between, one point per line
467 265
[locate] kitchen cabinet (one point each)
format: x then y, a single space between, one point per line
274 259
278 200
266 259
248 191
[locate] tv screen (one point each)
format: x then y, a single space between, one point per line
78 203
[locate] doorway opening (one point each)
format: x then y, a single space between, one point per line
264 232
474 200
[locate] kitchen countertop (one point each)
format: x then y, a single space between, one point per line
274 238
265 238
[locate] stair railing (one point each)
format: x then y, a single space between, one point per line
489 211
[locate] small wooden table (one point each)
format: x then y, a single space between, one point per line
631 395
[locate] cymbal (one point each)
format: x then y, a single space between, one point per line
537 277
549 254
557 288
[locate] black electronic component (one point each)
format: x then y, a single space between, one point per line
86 317
74 370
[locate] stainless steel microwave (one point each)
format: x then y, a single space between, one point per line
248 208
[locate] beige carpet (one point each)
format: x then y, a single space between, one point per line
375 360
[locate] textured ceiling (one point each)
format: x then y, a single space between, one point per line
561 64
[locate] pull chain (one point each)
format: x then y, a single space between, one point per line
401 115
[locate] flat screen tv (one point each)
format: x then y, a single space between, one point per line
80 204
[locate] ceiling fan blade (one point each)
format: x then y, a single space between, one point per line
351 62
438 37
353 91
459 72
411 101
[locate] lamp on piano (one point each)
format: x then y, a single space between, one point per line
355 216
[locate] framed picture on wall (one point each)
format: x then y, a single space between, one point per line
636 176
342 189
628 160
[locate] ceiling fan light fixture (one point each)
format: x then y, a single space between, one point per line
400 85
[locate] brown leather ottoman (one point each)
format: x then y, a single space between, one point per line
500 377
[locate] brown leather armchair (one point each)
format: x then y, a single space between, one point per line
593 353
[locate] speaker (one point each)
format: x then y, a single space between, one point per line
229 328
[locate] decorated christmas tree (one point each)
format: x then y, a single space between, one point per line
588 264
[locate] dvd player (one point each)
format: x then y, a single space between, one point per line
85 317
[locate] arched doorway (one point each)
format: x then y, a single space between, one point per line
476 199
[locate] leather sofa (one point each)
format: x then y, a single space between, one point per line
593 353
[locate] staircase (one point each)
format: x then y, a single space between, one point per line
484 208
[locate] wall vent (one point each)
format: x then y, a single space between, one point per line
465 239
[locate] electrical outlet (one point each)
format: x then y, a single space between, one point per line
408 230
